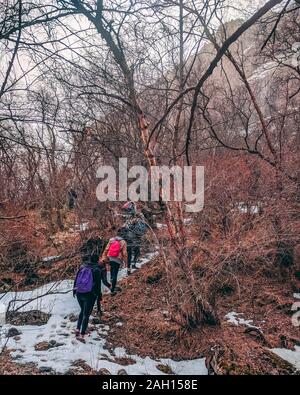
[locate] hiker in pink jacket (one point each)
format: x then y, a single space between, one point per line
116 254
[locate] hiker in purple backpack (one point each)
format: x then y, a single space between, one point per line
87 289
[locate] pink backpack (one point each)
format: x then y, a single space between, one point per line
114 249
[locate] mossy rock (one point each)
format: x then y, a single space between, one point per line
165 369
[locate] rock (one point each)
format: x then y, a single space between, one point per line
82 365
104 372
13 332
95 321
59 344
18 356
165 369
33 317
73 317
42 346
17 338
45 369
122 372
154 278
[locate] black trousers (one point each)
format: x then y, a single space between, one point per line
86 303
114 270
133 252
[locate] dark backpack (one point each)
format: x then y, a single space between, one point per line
84 280
139 228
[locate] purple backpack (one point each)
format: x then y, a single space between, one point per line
84 280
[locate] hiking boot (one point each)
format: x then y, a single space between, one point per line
77 333
81 338
118 289
113 293
128 272
134 266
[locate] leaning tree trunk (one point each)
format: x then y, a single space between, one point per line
199 306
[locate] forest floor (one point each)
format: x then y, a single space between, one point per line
148 329
255 325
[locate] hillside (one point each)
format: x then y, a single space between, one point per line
150 188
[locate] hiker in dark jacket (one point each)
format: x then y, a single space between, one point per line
133 242
72 196
87 289
133 231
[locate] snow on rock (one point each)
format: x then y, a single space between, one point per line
57 300
159 225
262 71
2 313
292 356
296 296
234 318
81 227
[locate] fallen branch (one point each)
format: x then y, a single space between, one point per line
13 218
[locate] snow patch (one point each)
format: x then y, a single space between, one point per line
292 356
234 318
51 258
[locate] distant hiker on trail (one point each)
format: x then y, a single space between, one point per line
72 196
87 289
116 254
133 247
133 230
129 208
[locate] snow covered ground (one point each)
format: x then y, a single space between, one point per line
56 299
292 356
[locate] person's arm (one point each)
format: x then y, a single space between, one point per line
97 288
74 289
105 252
124 253
97 283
